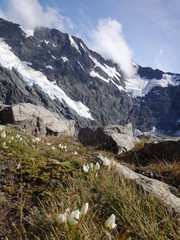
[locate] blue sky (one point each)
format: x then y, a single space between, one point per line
147 30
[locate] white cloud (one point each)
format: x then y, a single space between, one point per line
30 14
108 40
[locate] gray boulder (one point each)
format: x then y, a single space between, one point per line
115 138
36 120
158 149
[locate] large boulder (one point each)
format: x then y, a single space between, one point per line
37 120
115 138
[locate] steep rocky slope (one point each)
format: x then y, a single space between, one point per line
60 72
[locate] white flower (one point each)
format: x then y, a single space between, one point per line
85 167
20 139
12 138
61 218
75 153
4 145
3 134
106 162
110 222
49 144
53 148
74 217
18 136
84 208
97 166
36 139
62 147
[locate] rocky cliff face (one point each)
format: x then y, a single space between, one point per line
60 72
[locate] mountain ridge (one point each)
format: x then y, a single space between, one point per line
90 83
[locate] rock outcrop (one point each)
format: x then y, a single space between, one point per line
154 187
167 151
36 120
115 138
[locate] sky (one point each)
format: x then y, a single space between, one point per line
145 31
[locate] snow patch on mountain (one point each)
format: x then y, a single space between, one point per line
81 66
139 87
9 60
73 44
65 59
83 47
95 74
110 71
49 66
120 87
52 55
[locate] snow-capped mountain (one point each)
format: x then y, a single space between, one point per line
60 72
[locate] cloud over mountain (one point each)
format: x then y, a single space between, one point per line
109 41
31 14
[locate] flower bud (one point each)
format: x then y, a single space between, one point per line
110 222
84 208
74 217
61 218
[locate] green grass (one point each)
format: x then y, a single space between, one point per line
38 183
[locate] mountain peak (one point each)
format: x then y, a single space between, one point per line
92 90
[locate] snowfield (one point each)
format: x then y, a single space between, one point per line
9 60
139 87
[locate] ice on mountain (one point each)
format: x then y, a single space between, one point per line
65 59
139 87
73 44
135 85
110 71
118 86
81 66
95 74
9 60
83 47
49 66
52 55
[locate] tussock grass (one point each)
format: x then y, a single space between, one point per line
38 183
